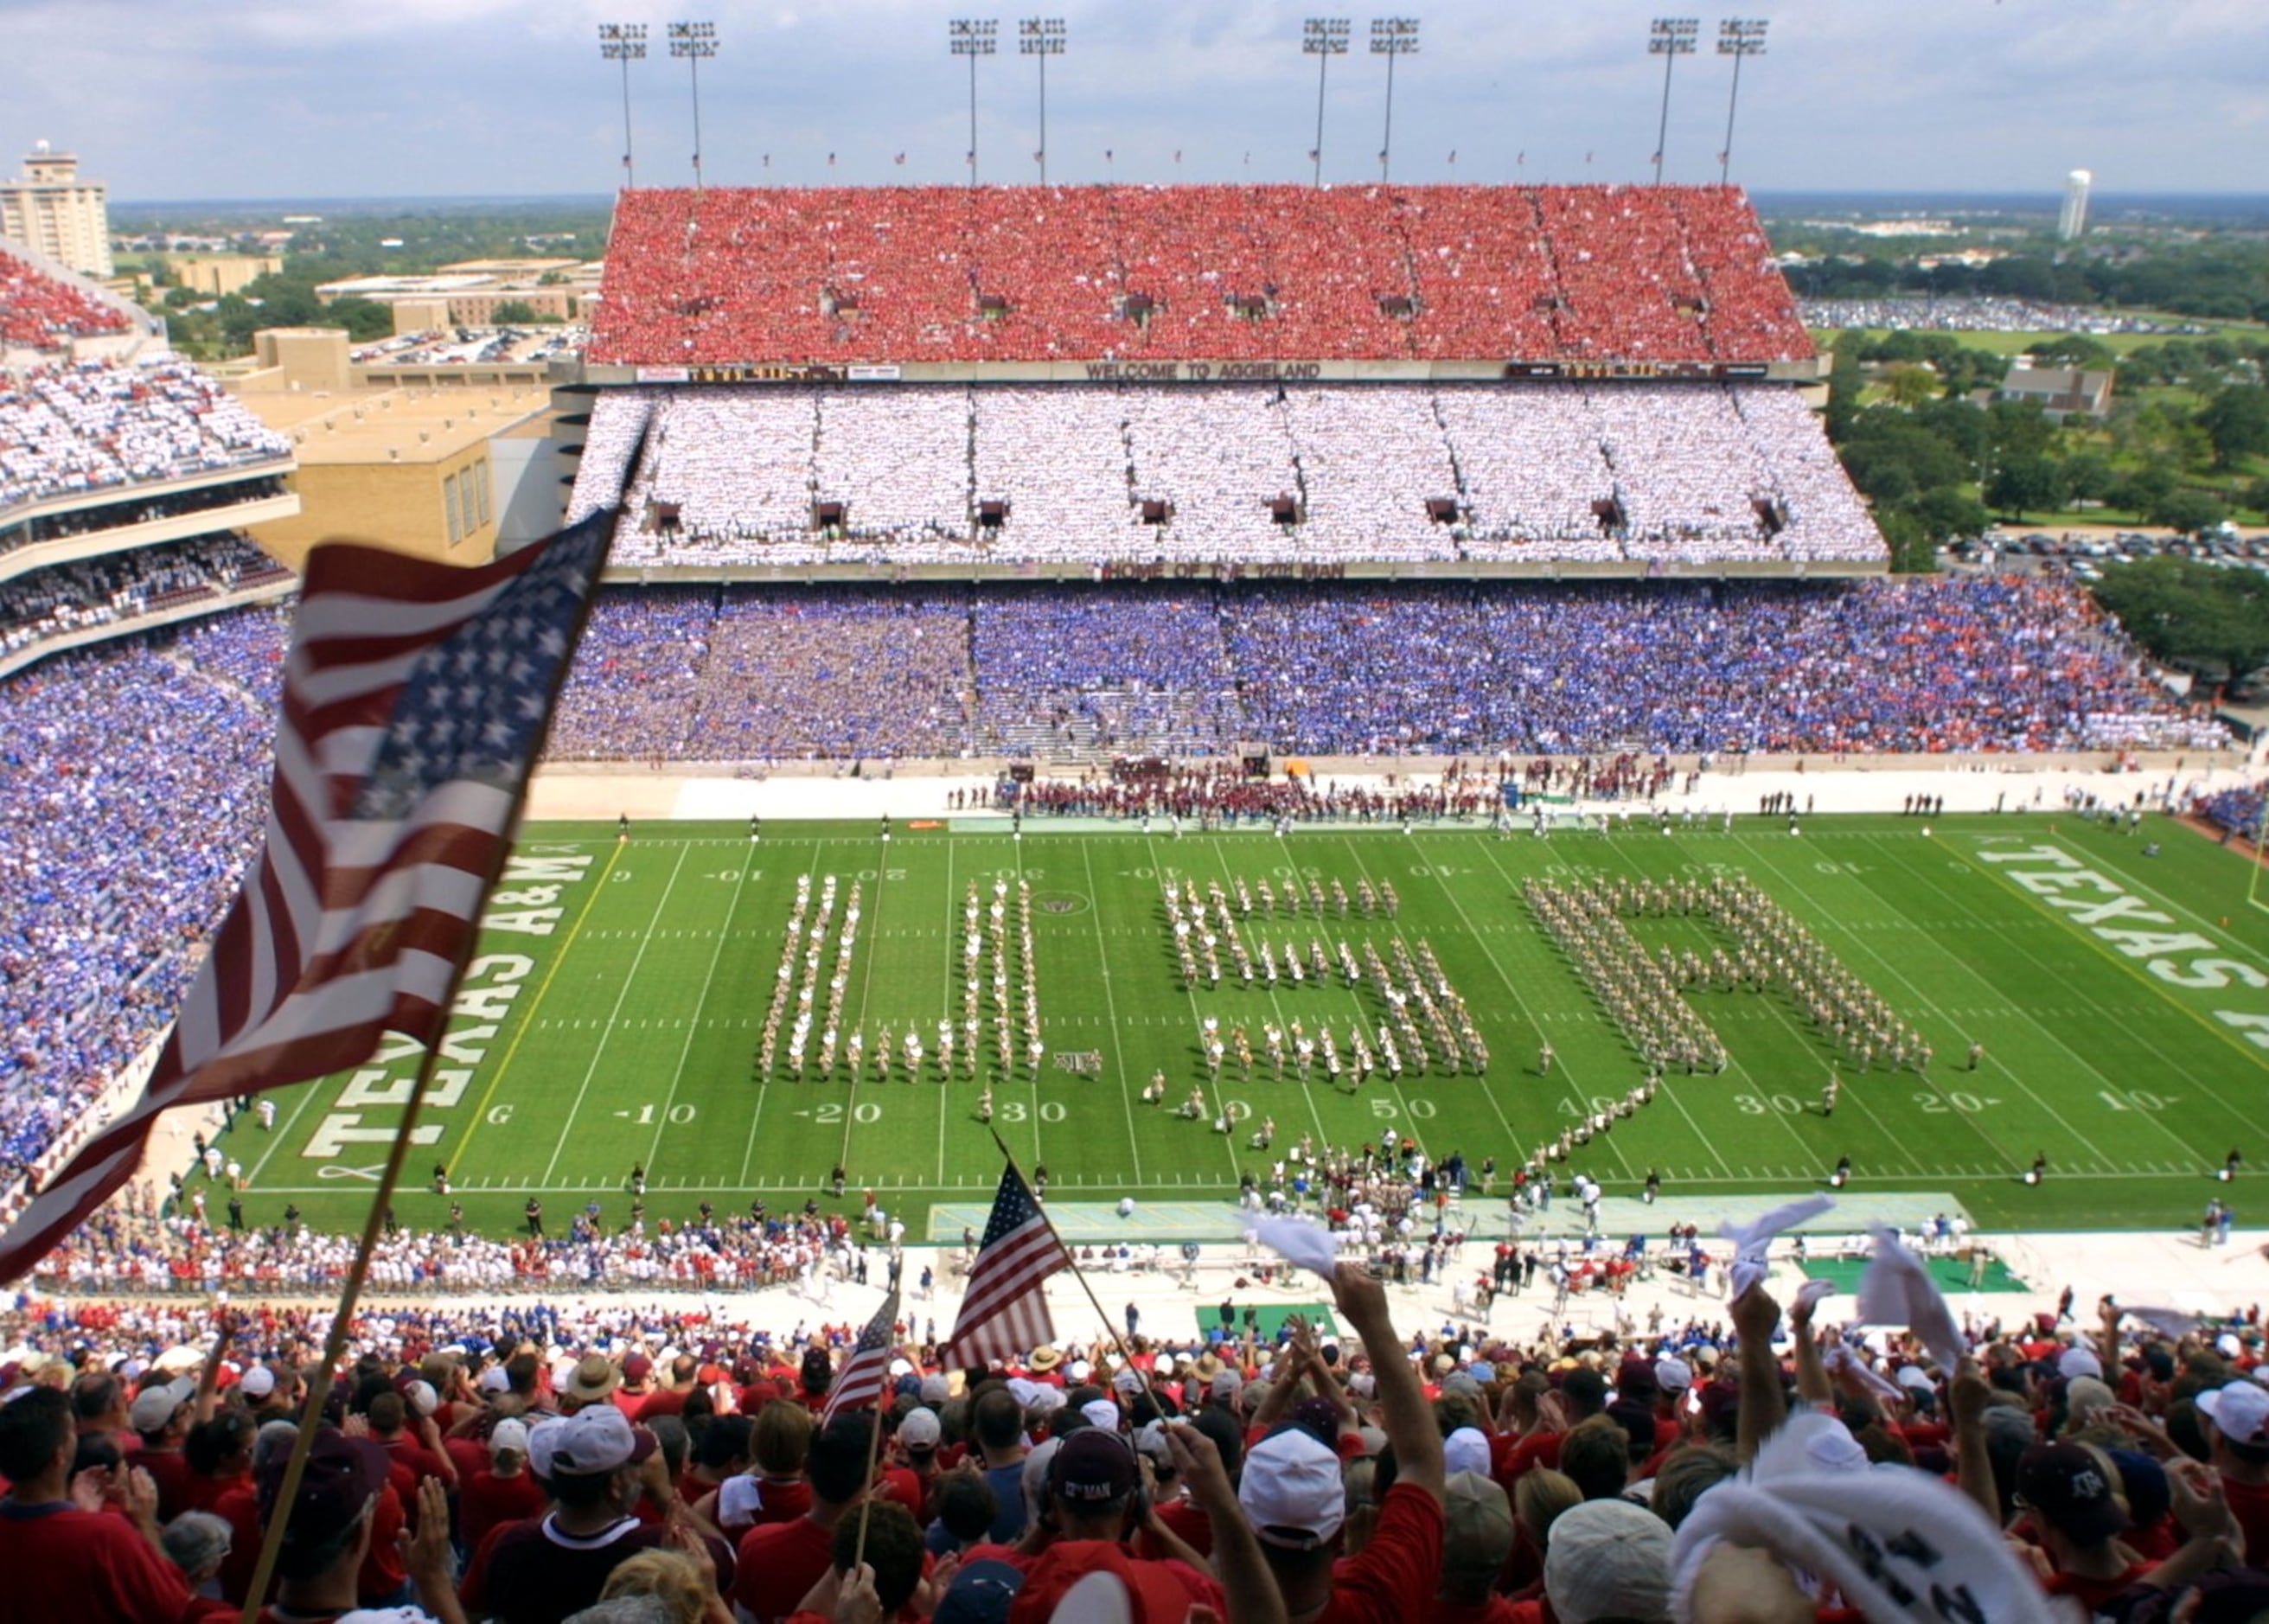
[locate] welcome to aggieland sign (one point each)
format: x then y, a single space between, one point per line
1196 372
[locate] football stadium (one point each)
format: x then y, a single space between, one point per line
1376 706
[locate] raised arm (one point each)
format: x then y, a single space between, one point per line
1404 1415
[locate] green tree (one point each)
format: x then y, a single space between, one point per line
514 313
1910 384
1844 384
2026 483
2191 613
2191 511
2088 476
2075 350
1947 514
2236 424
2257 498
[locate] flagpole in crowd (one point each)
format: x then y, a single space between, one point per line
319 1389
1126 1353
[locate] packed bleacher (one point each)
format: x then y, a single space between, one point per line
1645 274
1930 665
1642 473
79 427
535 1462
106 891
40 312
123 585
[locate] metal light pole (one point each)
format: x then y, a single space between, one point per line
1391 37
693 42
1737 37
626 43
1670 37
1042 37
1323 38
971 37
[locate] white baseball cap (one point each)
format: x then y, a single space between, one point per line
1291 1491
2240 1412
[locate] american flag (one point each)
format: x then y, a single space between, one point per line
415 697
860 1382
1005 1312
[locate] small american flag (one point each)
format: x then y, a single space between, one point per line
415 697
860 1382
1005 1310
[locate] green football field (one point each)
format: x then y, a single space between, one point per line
614 1013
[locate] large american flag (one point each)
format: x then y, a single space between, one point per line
860 1382
415 699
1004 1313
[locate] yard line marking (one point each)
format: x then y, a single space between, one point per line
765 1083
1110 1008
630 979
566 945
945 1093
677 1075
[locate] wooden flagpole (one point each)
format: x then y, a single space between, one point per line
874 1453
318 1390
1126 1353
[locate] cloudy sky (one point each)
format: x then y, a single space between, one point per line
206 98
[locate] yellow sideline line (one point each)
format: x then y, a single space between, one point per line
481 1111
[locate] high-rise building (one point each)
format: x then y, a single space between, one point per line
51 211
2074 218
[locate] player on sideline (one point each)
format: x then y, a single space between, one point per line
756 828
1828 1093
622 826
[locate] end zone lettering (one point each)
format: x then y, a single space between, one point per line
2114 915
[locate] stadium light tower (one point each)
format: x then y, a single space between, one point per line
1737 37
1391 37
694 41
1323 38
1670 37
972 37
626 43
1042 37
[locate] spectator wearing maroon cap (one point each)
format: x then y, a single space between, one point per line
2070 1498
1292 1496
68 1559
780 1562
637 1386
539 1571
329 1523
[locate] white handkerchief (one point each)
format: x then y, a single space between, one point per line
1308 1246
1753 1240
1897 1290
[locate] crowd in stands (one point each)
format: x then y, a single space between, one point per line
1658 474
1218 273
106 891
1979 313
90 426
638 1464
39 312
2236 812
123 585
1917 664
129 509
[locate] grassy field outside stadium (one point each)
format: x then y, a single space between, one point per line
614 1015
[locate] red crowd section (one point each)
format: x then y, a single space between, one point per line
41 312
901 274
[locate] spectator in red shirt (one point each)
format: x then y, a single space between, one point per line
2072 1503
1292 1495
68 1560
2240 1414
160 1415
776 1490
780 1562
504 1490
